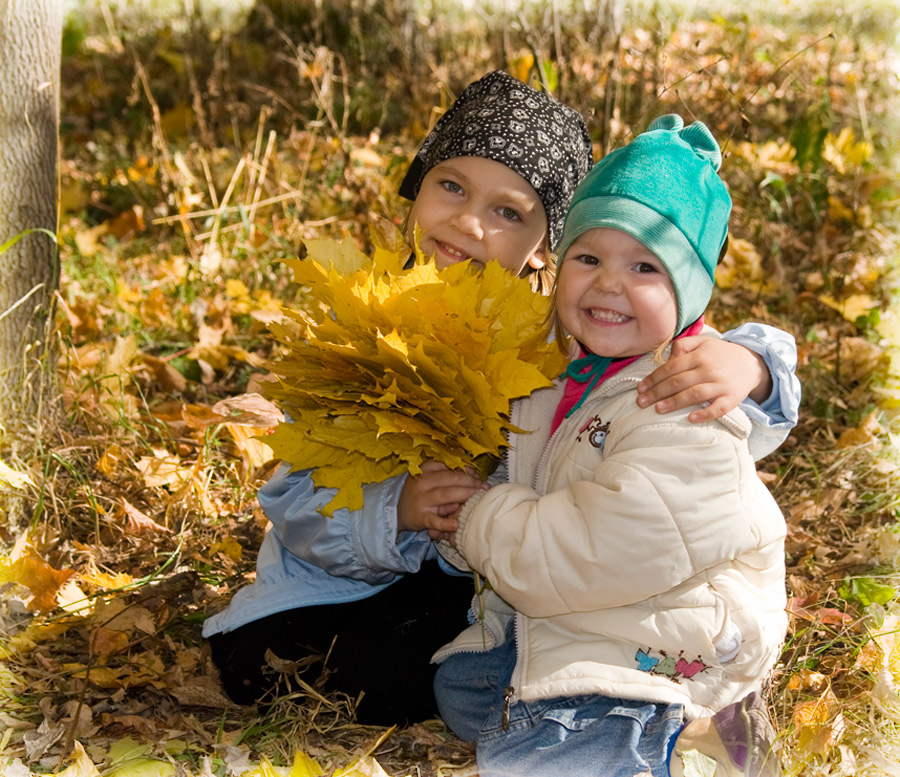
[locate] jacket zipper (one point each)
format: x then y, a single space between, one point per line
539 469
509 695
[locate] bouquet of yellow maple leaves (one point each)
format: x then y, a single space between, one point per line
391 366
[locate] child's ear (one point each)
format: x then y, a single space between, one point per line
538 259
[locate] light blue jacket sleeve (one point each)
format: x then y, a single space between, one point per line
774 418
362 545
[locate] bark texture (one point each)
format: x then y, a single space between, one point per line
30 43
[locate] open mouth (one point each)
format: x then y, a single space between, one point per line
453 253
607 316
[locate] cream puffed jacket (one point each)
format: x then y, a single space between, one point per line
640 554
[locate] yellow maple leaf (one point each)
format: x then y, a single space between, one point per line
41 579
844 151
80 764
837 211
113 459
345 257
304 766
365 766
117 377
14 478
396 364
97 580
780 158
229 546
742 266
851 307
27 639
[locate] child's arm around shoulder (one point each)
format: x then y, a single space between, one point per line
752 366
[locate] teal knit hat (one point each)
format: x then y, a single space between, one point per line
664 190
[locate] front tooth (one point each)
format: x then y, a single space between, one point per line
608 315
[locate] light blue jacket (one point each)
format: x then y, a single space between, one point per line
307 559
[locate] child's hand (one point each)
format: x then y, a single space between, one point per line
449 536
704 369
430 501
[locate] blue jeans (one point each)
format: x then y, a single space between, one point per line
576 736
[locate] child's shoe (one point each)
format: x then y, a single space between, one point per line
738 738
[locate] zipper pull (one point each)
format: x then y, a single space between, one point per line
507 696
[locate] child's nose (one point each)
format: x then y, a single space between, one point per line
468 223
608 281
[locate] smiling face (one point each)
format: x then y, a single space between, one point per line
479 209
614 295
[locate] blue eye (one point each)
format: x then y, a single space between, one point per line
452 186
509 213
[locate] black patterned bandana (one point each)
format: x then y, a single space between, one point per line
500 118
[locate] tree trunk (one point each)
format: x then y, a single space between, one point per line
30 51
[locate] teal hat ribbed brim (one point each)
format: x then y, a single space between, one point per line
664 190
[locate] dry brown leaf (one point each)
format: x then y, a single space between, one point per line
252 410
859 358
138 523
142 725
200 416
200 696
127 224
84 319
193 495
828 615
170 380
867 432
163 469
88 240
209 348
805 510
818 724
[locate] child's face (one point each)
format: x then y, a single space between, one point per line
479 209
614 295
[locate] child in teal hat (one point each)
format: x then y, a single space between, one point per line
634 562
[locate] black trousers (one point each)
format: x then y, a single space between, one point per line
382 646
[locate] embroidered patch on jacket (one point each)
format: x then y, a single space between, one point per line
596 431
673 667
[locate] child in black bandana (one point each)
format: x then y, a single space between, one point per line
493 178
491 182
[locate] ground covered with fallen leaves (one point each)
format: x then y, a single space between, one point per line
197 156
